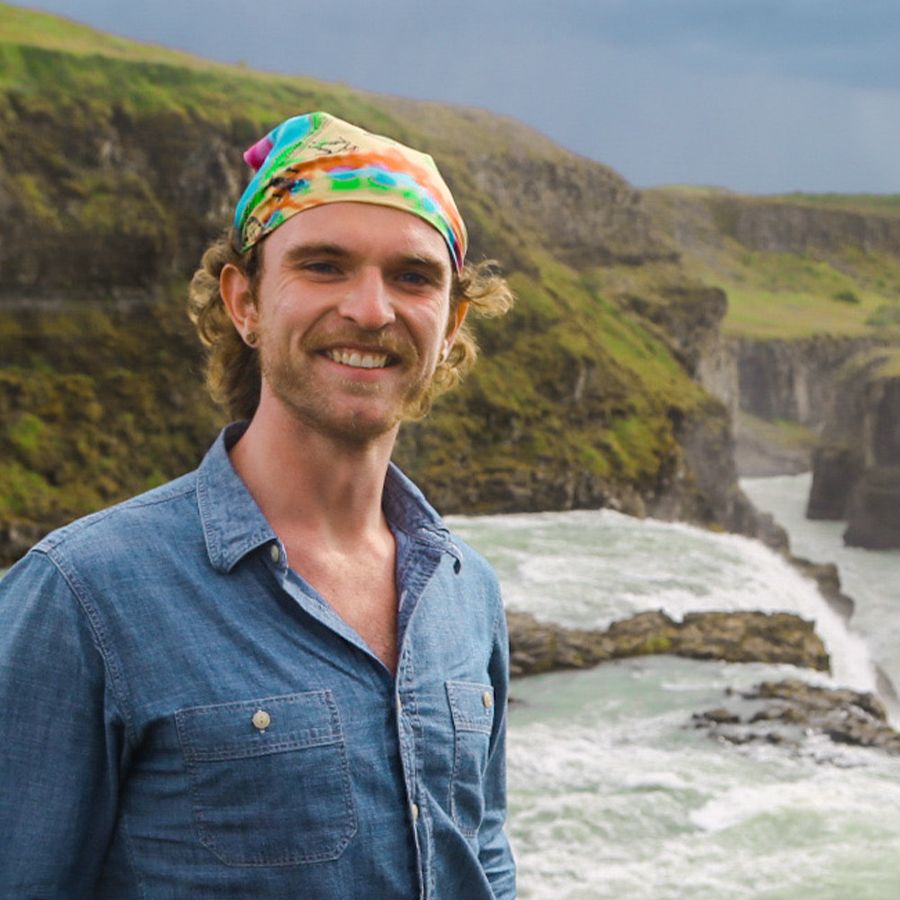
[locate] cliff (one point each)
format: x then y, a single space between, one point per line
646 322
811 281
118 162
856 466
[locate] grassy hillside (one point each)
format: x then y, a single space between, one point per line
787 295
863 203
793 266
119 161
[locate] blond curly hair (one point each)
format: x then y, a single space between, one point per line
232 367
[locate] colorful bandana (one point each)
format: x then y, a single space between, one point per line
314 159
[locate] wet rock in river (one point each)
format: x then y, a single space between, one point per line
537 647
789 712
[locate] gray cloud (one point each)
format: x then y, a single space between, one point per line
757 95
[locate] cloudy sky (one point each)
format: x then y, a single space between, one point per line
754 95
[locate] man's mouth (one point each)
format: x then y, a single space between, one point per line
360 359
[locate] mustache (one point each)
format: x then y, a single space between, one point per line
360 339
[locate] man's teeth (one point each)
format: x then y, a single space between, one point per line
358 360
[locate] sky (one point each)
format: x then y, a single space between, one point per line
758 96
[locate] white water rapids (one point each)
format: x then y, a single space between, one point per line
613 794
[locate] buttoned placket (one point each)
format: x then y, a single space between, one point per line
405 703
403 683
407 720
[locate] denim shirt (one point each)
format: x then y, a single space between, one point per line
183 716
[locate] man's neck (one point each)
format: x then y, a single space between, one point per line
307 483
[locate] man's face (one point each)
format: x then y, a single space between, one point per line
353 310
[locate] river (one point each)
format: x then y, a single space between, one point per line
613 794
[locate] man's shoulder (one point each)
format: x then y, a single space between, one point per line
165 509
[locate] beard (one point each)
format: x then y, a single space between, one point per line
328 405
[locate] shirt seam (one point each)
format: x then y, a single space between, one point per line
66 534
100 641
73 583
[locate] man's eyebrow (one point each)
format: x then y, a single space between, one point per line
303 251
419 261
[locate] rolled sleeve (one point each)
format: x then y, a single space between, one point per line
61 734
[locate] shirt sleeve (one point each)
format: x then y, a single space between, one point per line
61 737
494 850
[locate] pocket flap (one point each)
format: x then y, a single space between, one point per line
255 727
472 705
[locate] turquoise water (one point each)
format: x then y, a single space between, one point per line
871 577
613 794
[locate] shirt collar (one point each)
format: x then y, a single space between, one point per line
406 508
233 524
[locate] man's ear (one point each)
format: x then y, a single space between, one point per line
234 286
457 317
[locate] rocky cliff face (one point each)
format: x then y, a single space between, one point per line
791 380
706 222
781 226
812 280
775 380
856 467
115 173
131 202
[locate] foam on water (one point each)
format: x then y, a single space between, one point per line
871 578
587 569
613 793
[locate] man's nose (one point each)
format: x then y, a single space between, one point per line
368 301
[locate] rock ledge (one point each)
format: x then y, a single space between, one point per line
788 712
537 647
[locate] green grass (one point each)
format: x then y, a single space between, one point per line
790 295
776 294
787 314
888 204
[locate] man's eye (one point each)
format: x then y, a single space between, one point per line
318 267
416 279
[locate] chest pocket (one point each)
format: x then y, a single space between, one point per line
472 709
270 781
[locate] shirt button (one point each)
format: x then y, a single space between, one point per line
399 707
487 698
261 720
275 553
414 809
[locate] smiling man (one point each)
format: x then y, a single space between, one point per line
279 675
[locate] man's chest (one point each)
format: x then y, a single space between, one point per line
267 740
361 589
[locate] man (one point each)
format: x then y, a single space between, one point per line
277 676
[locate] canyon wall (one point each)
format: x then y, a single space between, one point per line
856 467
117 168
609 385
